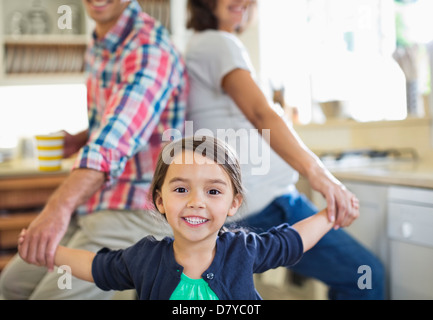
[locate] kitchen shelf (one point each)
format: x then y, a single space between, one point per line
51 56
42 58
47 39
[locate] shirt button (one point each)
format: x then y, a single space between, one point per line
210 276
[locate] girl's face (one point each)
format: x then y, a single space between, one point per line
230 13
196 197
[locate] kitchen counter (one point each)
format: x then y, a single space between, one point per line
29 167
404 173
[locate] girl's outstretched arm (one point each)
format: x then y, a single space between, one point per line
80 261
313 228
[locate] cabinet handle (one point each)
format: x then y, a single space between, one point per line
406 229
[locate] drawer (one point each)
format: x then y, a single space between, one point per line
411 195
411 271
410 223
29 192
10 228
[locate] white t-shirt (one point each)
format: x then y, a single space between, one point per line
210 56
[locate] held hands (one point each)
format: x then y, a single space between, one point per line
21 240
21 251
343 205
37 244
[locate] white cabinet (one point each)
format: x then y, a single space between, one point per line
370 229
396 224
42 41
410 229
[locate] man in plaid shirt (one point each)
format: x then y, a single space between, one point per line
137 89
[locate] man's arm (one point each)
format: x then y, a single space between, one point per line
45 232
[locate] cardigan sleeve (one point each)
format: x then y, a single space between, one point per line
281 246
110 272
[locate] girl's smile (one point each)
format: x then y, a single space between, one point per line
195 221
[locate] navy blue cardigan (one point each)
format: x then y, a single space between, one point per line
149 265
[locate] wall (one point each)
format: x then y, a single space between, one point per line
409 133
413 133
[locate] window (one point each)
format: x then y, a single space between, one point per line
29 110
335 54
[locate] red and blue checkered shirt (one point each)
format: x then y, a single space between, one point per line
137 89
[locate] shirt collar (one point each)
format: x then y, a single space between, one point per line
120 30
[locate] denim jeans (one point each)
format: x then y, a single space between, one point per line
335 259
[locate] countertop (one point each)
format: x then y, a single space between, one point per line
24 168
404 173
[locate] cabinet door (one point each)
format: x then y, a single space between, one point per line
411 273
370 227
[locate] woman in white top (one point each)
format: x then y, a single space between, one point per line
225 99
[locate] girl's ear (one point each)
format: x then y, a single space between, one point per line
159 203
237 201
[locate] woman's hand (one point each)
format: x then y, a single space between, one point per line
343 205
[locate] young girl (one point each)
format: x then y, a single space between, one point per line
224 95
196 186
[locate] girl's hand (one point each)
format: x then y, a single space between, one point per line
21 239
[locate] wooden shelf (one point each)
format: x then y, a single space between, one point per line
48 39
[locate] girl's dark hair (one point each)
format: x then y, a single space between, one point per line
201 15
207 146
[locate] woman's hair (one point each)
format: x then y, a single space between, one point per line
209 147
201 15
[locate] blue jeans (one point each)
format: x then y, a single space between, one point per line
335 259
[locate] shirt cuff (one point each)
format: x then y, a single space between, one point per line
98 158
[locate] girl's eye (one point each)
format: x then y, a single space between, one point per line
214 192
180 190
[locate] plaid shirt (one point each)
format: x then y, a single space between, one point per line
137 88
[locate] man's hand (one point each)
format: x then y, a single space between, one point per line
45 232
73 142
37 245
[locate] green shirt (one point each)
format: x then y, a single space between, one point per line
192 289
